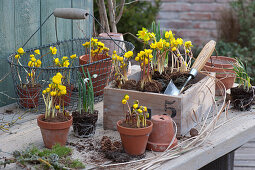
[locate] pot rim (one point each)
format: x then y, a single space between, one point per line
53 125
222 58
134 131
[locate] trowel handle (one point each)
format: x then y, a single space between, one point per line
70 13
204 55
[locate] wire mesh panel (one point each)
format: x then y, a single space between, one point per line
30 81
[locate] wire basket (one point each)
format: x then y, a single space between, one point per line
30 96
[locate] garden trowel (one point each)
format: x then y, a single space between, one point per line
199 63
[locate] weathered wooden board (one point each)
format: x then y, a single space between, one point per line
7 45
19 19
197 98
83 28
64 26
26 23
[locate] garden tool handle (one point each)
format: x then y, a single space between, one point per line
70 13
204 55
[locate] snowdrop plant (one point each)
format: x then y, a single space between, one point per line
86 92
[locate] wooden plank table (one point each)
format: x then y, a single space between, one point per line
217 151
237 130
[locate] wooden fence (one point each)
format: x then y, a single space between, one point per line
19 19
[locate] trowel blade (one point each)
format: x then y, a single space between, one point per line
172 89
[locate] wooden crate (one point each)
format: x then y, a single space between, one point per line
198 98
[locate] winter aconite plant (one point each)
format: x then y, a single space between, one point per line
95 48
53 97
65 62
120 65
166 47
136 115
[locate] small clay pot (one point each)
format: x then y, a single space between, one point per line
241 98
54 132
108 42
102 66
134 140
162 133
223 67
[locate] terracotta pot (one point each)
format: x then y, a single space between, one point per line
110 44
223 68
162 133
28 95
54 132
101 67
134 140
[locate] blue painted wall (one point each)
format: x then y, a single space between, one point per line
19 19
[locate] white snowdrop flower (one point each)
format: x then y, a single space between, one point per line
94 76
86 80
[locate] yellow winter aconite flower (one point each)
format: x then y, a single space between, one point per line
174 49
39 62
66 63
126 97
57 107
63 92
114 57
21 51
121 58
48 90
52 93
64 58
61 87
56 60
37 51
114 52
56 80
30 64
128 54
136 58
33 59
167 34
160 44
145 108
59 75
188 44
139 110
146 61
73 56
135 106
32 55
100 44
44 92
86 44
17 56
179 41
53 50
124 101
153 45
143 34
30 74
